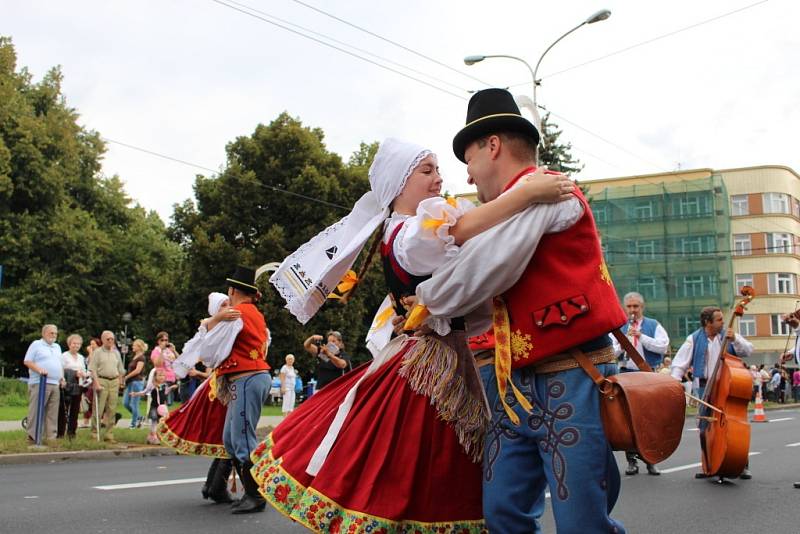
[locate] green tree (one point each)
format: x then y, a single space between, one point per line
553 153
74 251
280 187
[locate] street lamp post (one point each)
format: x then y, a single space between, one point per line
603 14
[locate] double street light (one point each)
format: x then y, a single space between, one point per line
603 14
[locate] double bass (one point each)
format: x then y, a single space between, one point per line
724 428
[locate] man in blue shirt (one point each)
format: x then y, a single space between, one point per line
44 359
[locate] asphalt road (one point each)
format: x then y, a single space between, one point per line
65 496
676 502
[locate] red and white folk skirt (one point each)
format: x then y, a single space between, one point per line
196 427
405 458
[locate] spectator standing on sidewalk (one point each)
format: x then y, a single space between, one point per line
106 368
162 356
74 373
288 376
651 341
43 358
88 393
134 381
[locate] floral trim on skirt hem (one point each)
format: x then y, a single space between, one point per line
315 511
184 446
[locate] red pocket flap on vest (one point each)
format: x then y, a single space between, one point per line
561 312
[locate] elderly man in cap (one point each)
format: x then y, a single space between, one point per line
553 299
238 352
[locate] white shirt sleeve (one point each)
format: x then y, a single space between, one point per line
743 347
618 350
659 343
491 262
424 242
190 355
683 359
218 342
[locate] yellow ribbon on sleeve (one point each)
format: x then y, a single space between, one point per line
348 281
417 316
502 360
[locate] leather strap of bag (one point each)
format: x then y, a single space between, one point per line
626 344
631 350
587 366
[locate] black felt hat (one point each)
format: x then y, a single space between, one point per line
243 280
491 111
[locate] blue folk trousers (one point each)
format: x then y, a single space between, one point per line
561 444
244 410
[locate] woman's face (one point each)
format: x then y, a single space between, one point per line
75 345
424 182
290 360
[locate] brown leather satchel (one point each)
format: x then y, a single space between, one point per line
642 412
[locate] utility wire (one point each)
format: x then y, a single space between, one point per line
337 41
382 38
190 164
648 41
329 45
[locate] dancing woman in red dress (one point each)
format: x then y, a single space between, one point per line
395 445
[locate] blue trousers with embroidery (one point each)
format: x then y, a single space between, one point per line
244 410
561 444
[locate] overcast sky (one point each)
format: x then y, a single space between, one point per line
185 77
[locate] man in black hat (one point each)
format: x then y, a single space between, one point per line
552 294
244 379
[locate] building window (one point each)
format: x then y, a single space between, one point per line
781 283
743 280
647 287
779 328
646 249
600 214
742 245
779 243
776 203
686 325
740 205
643 211
693 286
692 245
692 205
747 325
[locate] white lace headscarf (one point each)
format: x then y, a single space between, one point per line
310 274
215 301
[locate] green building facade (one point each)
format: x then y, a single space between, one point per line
670 242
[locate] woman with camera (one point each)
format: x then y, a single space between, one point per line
333 362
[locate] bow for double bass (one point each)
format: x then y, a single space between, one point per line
725 435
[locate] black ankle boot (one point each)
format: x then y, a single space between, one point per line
209 477
252 500
218 484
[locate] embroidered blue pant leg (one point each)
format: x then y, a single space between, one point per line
563 446
244 410
514 482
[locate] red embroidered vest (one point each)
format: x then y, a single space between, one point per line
565 297
248 352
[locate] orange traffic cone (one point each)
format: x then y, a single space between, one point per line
758 415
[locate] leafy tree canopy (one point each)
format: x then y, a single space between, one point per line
74 250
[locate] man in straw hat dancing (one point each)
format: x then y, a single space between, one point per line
240 363
555 295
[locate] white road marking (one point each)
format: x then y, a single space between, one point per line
794 444
691 466
781 419
31 497
691 430
151 484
